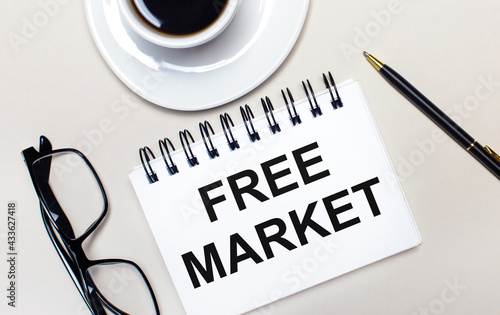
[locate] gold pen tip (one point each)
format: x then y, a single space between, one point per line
377 64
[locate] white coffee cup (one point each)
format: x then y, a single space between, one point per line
131 17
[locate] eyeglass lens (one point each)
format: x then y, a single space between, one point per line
122 285
75 191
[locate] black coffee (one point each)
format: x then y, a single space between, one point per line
179 17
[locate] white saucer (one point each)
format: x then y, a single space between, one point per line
253 46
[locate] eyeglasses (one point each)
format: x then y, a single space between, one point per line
73 203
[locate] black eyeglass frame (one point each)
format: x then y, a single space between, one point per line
70 250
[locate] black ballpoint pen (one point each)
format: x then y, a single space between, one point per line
485 154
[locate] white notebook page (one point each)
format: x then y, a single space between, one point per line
322 195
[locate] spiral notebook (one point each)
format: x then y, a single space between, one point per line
275 202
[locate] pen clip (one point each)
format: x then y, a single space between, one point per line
490 151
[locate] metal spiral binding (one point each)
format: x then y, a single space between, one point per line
206 130
315 109
295 118
144 154
211 149
225 119
192 159
171 167
336 101
268 110
247 116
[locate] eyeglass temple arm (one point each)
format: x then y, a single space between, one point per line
46 146
69 264
44 172
67 261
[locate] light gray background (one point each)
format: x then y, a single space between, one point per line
57 84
